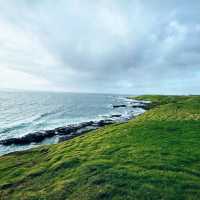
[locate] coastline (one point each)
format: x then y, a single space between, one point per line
71 131
154 155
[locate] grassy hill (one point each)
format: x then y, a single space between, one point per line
156 156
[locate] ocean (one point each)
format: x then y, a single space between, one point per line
26 112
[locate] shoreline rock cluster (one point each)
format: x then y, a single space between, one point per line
143 105
73 130
64 133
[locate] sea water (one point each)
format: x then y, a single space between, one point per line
26 112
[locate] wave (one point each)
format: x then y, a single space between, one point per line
22 124
14 127
44 115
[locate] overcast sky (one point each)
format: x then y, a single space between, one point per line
106 46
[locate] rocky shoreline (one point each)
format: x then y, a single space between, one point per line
70 131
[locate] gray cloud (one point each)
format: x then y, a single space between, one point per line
103 46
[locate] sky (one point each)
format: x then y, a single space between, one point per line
104 46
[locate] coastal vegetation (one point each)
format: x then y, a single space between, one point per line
154 156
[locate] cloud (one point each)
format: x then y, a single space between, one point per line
103 46
24 81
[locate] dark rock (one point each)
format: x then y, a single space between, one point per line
119 106
117 115
104 122
27 139
64 130
10 141
50 133
65 137
72 128
84 124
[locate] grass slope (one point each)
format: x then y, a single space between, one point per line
156 156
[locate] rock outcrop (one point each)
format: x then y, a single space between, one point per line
119 106
64 133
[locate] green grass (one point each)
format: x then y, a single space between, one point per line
156 156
